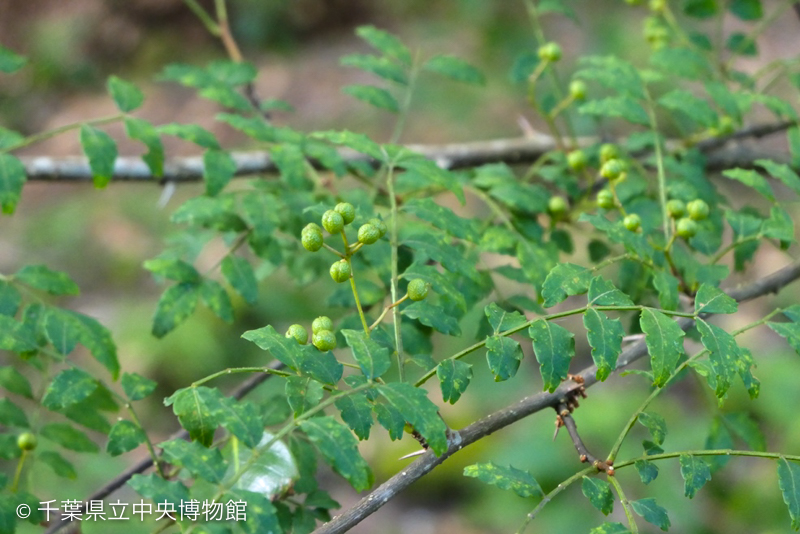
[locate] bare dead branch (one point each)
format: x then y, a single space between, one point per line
448 156
521 409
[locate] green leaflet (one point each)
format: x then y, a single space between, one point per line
126 96
69 387
652 512
14 382
303 393
664 340
508 478
501 320
12 415
68 437
137 387
710 299
123 437
419 411
604 293
101 149
385 43
239 274
195 409
262 516
443 218
10 299
218 169
58 464
200 461
723 353
782 172
176 305
455 68
356 413
696 109
43 278
292 164
12 177
340 449
746 9
648 471
433 316
379 66
358 142
190 132
554 347
173 269
240 418
144 132
285 350
63 330
375 96
599 494
667 287
655 424
605 337
454 377
504 356
371 357
217 300
566 279
10 62
789 482
752 179
695 473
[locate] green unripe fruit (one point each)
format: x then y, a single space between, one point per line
698 209
686 228
379 224
417 289
321 323
368 234
608 152
612 169
27 441
333 222
577 160
657 6
311 237
298 332
324 340
605 199
346 210
550 52
577 89
557 206
726 125
676 208
632 222
340 271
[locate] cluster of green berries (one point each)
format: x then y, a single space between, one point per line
687 215
334 221
322 335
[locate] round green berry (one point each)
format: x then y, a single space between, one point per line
368 234
346 210
311 237
333 222
605 199
321 323
608 152
632 222
686 228
324 340
340 271
298 332
379 224
577 160
557 206
726 125
417 289
27 441
676 208
550 52
612 169
698 209
577 89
